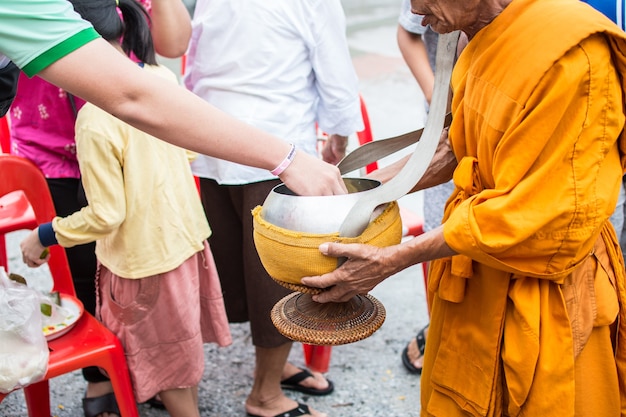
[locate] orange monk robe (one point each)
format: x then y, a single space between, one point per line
520 319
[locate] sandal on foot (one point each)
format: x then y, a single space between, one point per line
293 383
300 410
94 406
421 345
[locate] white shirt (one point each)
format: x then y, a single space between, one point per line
279 65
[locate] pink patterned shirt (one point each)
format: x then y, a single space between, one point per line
42 127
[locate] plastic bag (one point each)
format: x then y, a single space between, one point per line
23 348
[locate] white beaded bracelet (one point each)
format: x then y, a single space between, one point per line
285 163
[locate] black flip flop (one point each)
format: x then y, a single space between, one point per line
420 338
300 410
293 383
94 406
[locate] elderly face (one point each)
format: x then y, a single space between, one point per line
469 16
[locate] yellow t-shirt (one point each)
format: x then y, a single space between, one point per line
144 209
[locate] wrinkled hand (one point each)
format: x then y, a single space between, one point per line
309 175
442 166
335 149
366 266
32 249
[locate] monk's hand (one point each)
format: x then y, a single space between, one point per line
366 266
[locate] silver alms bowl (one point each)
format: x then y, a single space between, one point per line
313 214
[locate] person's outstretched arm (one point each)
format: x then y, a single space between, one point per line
98 73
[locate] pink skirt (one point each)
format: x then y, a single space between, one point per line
163 322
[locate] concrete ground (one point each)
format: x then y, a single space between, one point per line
369 377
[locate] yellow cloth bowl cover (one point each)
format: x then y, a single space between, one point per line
290 255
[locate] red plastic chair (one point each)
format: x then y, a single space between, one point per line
5 147
88 343
16 213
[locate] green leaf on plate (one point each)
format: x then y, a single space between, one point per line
46 309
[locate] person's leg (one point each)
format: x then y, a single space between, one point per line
266 397
181 402
221 210
313 384
258 282
249 293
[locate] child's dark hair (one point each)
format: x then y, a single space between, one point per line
133 28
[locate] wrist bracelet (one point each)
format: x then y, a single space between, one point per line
285 163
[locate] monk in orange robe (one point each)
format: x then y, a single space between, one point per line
527 284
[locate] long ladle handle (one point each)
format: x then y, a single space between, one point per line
359 216
380 148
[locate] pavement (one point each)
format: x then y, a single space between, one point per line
369 377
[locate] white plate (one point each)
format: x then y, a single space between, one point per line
74 309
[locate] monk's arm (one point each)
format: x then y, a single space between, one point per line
367 265
439 170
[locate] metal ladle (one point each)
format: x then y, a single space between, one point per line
358 218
